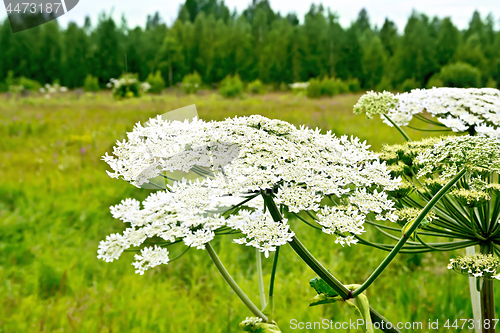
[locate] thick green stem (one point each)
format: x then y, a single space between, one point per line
303 253
260 279
407 138
230 281
475 296
408 233
487 298
322 272
318 268
271 284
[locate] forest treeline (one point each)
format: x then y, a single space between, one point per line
257 43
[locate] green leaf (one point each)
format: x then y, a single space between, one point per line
322 287
323 299
327 295
405 229
362 309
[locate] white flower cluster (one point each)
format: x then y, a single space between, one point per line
250 321
299 85
343 221
260 230
374 103
182 213
52 89
477 265
246 156
459 109
450 154
127 80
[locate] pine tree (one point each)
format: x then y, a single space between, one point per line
50 54
108 57
448 41
75 56
389 36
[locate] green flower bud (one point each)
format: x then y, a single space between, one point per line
493 189
403 190
477 265
390 157
374 103
434 185
471 198
256 325
409 214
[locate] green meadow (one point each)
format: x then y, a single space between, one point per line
54 210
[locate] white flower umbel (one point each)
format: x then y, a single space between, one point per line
112 248
150 257
343 222
241 158
477 265
455 152
460 109
260 230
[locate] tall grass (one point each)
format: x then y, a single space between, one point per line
54 199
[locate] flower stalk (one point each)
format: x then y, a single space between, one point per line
408 233
234 286
403 133
322 272
260 278
487 297
271 284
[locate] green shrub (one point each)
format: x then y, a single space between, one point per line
10 80
435 81
492 83
231 86
156 81
353 85
91 83
29 84
409 84
328 87
299 87
461 75
20 84
342 87
384 85
256 87
284 87
191 83
314 88
127 86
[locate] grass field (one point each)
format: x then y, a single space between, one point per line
54 210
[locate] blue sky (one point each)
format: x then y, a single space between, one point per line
396 10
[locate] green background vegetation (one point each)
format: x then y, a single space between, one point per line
258 43
54 210
55 194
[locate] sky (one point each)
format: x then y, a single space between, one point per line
397 10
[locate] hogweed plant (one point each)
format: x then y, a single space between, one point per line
469 213
472 110
128 85
250 177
